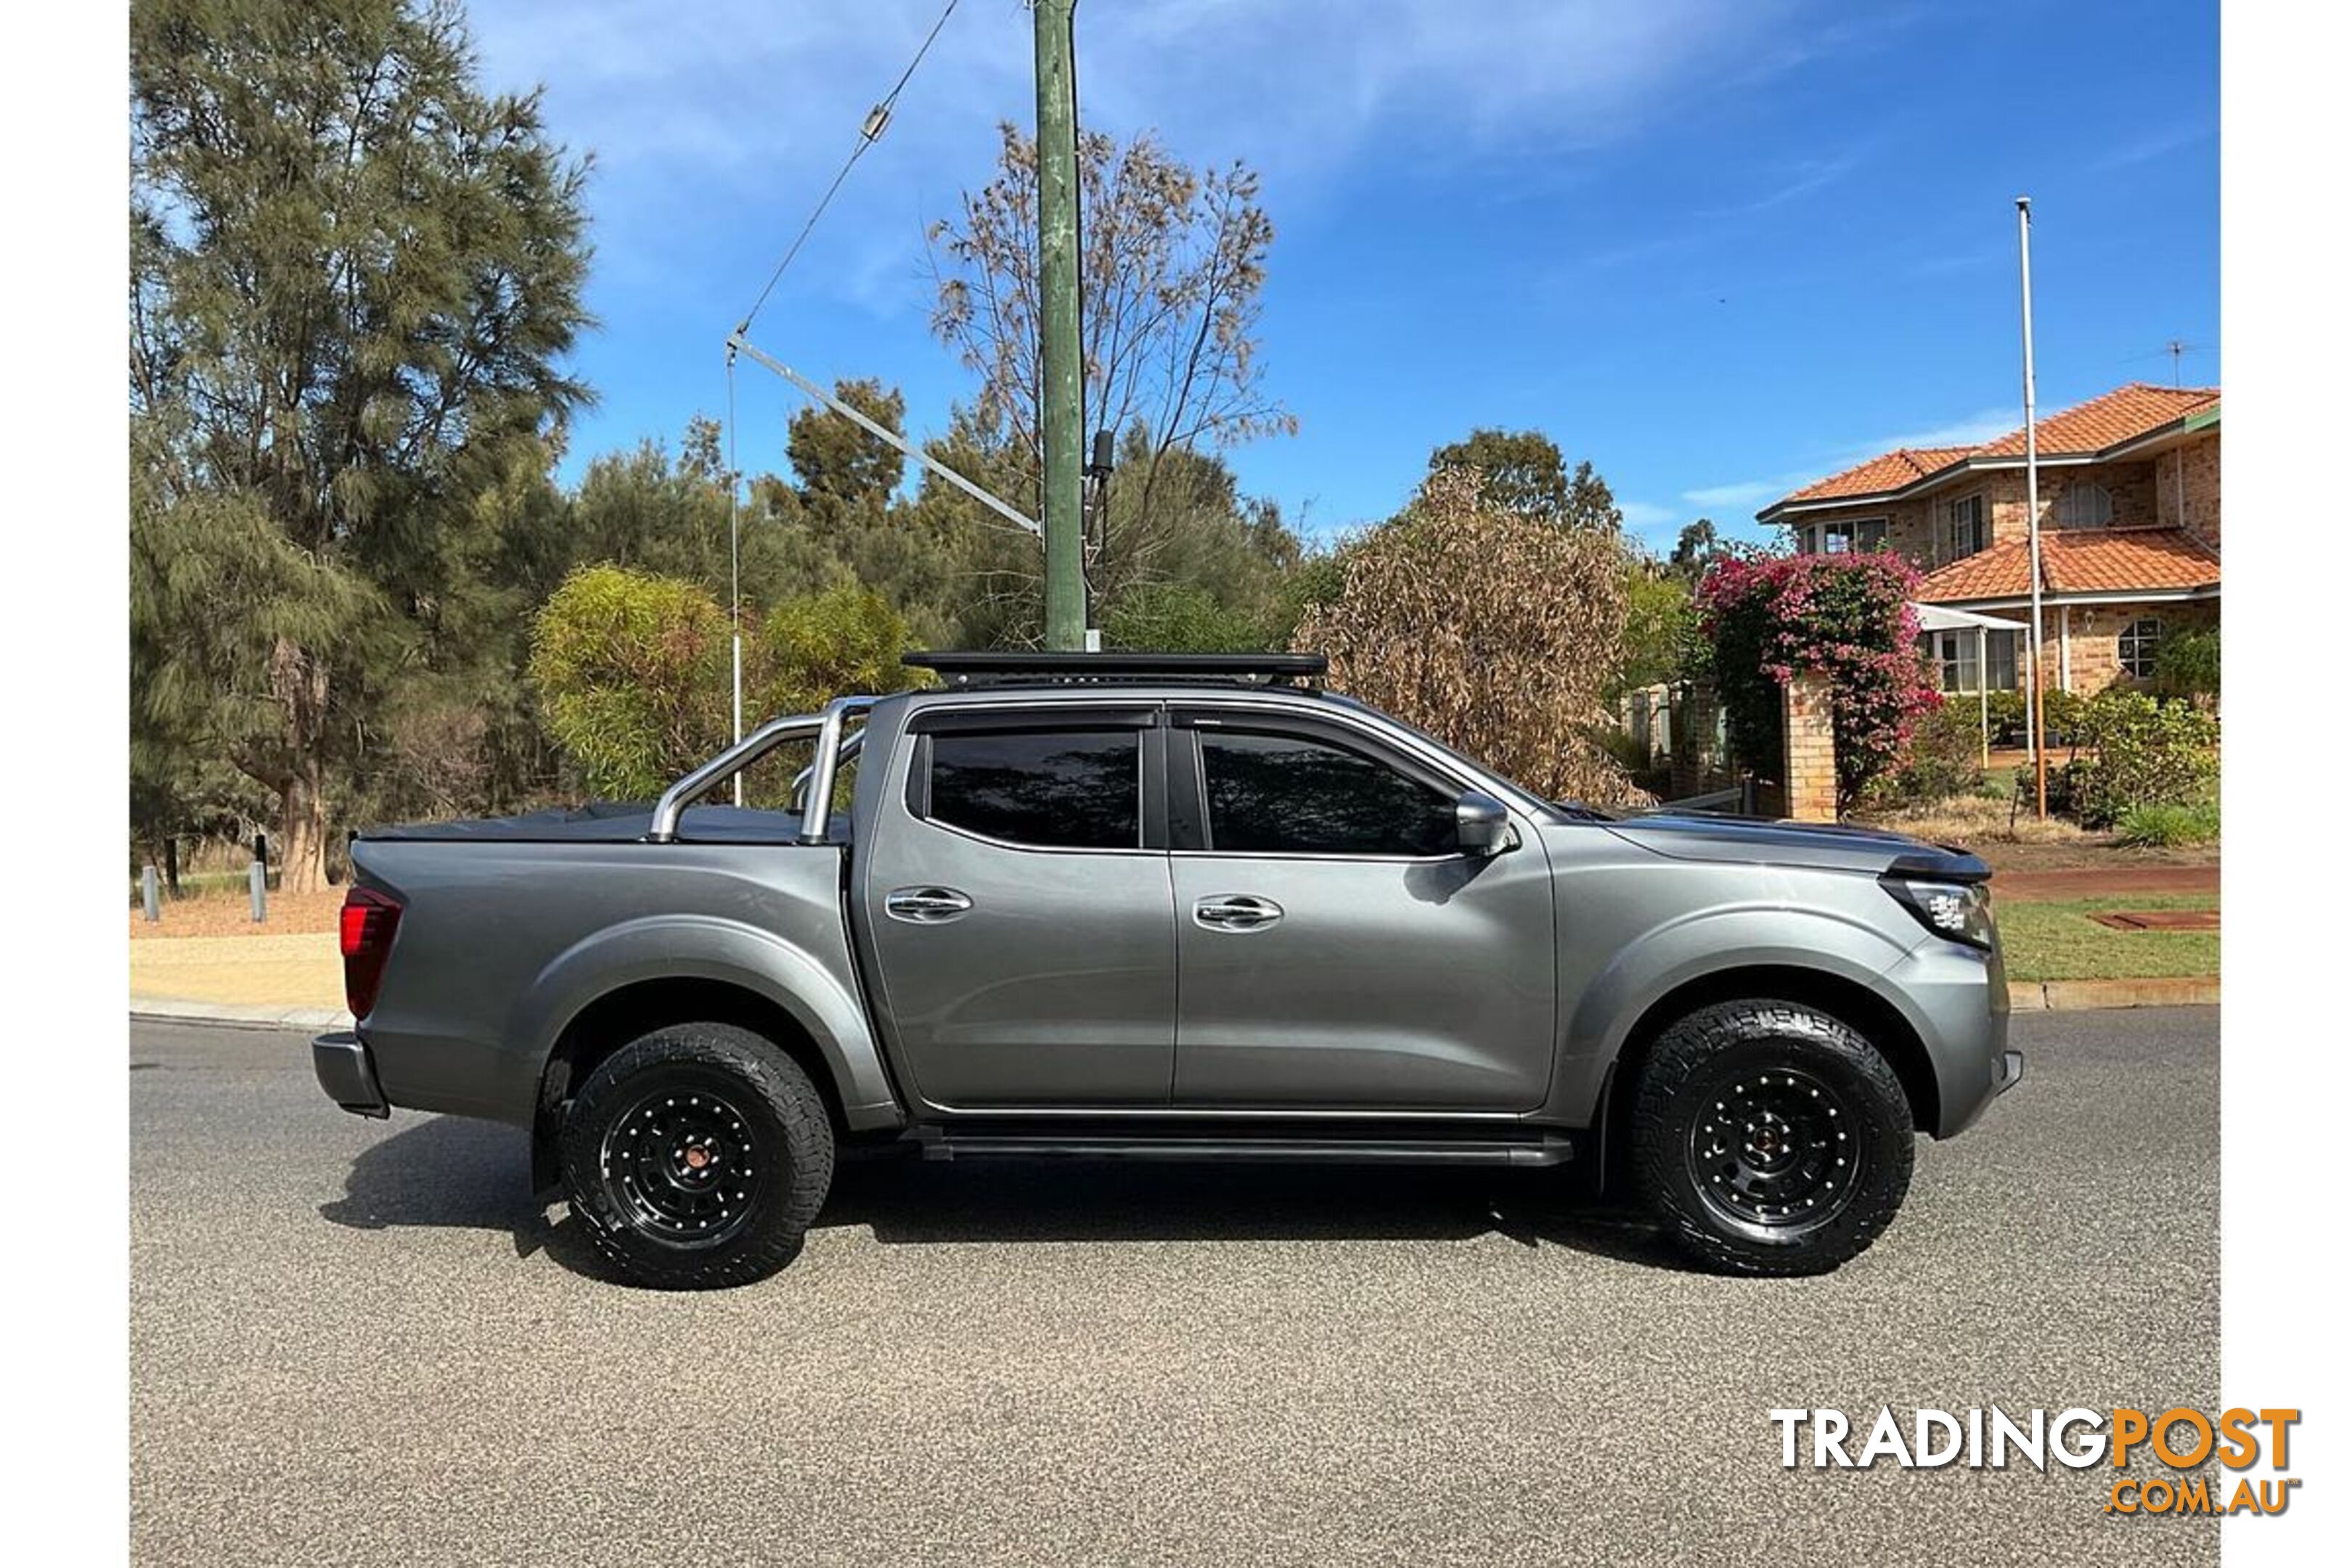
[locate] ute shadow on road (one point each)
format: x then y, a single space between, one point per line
449 1171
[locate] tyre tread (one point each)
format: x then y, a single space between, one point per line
781 1086
1687 1047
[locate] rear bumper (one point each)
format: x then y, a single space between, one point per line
347 1072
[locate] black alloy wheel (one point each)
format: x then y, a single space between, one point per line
1770 1137
696 1156
1774 1152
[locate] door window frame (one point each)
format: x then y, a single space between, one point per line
1187 795
1152 764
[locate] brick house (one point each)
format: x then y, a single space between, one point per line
2131 534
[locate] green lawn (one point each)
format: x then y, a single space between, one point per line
2059 941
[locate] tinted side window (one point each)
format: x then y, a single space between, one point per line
1282 794
1065 789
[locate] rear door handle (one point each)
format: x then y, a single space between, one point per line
925 906
1236 912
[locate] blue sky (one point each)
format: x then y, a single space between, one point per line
1718 246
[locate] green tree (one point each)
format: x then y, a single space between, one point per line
1659 625
1696 548
1524 472
1590 503
355 275
838 463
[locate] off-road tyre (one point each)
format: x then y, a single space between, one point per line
1769 1138
696 1157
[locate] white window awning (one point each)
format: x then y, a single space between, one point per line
1942 619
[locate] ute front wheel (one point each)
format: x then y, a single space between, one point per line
1770 1138
696 1156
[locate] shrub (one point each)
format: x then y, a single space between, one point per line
1944 757
2143 753
2188 664
632 671
1182 617
807 651
2170 826
2061 715
1435 622
1846 617
632 674
2005 712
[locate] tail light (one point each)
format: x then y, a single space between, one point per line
370 917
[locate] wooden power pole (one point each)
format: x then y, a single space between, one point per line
1058 293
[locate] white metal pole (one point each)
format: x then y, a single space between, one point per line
1984 704
734 570
2033 513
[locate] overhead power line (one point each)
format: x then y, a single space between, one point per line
878 120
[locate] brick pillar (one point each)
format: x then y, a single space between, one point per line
1809 749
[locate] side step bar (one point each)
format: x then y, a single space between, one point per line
1547 1148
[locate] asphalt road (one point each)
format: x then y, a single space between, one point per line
356 1342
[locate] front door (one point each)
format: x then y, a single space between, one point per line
1334 950
1017 900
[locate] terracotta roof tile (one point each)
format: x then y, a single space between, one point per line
1888 471
2079 561
2123 414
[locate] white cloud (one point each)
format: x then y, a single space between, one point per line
1742 492
1642 515
693 109
1748 495
1977 428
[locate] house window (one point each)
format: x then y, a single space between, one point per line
1964 530
1955 654
1843 536
2136 647
2086 505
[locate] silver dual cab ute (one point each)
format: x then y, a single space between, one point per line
1169 907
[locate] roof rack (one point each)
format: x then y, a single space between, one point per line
969 669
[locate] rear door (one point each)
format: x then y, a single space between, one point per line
1019 908
1334 950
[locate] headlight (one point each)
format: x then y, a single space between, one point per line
1960 911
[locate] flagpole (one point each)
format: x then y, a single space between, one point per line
2033 719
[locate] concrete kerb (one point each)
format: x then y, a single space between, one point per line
2078 995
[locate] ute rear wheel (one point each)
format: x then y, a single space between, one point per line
696 1157
1771 1137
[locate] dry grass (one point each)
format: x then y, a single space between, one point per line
1972 819
226 914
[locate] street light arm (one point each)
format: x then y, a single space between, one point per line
736 341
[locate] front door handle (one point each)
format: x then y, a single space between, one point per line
925 906
1236 912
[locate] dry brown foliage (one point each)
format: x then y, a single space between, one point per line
1493 632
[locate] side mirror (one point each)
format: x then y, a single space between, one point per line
1482 824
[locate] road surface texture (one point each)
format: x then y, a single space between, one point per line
359 1341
